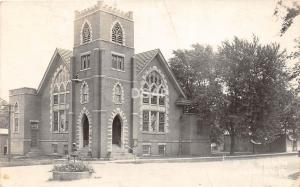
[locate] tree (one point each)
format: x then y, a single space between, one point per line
256 86
287 14
197 73
290 118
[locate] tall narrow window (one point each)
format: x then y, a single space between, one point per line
62 94
55 95
85 93
16 118
161 125
55 121
86 33
118 94
84 98
117 34
145 120
146 94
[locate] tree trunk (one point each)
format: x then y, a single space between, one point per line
232 143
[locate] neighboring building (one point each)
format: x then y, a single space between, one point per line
281 144
105 98
4 120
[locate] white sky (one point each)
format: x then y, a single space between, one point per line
31 30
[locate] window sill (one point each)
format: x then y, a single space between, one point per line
85 69
60 132
117 43
118 70
154 133
84 102
118 103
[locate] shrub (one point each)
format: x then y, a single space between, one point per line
73 167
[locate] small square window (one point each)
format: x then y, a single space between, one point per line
146 150
66 151
54 148
162 150
55 99
154 99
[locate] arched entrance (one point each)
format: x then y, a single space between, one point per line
85 130
116 131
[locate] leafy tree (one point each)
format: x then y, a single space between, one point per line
197 73
256 86
287 14
290 118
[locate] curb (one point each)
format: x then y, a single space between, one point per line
194 159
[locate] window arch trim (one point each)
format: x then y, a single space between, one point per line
86 22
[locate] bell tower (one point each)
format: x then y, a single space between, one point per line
103 67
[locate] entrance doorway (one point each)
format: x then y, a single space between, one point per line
85 130
116 131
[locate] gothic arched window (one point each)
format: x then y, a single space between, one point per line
60 101
117 33
154 106
86 33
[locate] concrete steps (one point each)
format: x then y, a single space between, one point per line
34 152
119 153
84 153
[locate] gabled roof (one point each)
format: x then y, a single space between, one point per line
64 54
143 59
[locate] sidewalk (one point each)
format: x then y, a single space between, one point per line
48 161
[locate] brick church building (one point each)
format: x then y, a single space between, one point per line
105 98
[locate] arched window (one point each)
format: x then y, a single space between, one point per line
60 101
154 106
84 93
118 93
16 118
117 33
86 33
